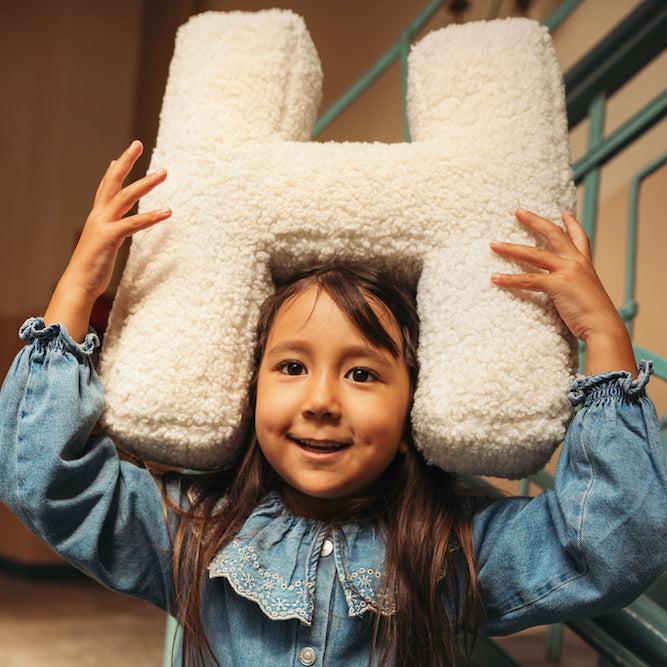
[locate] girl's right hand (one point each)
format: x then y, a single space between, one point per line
91 266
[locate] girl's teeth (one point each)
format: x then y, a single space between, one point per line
313 448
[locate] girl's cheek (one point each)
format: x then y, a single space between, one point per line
272 416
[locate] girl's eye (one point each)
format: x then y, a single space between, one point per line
365 372
295 366
291 364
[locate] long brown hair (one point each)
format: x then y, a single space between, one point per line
427 511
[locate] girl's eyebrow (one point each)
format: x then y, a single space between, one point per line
301 345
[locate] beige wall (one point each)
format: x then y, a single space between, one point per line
86 78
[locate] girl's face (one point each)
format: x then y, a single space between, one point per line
319 379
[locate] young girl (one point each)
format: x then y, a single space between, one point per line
329 540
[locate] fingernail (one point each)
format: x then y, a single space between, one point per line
134 144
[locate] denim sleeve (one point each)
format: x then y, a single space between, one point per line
67 484
596 541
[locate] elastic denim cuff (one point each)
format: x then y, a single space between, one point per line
610 385
33 329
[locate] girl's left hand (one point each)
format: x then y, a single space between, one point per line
571 281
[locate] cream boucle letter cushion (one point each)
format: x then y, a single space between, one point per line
254 199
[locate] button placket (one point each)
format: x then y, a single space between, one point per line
311 641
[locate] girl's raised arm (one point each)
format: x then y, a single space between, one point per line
596 541
64 482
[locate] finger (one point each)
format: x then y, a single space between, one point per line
99 187
123 165
577 234
536 282
540 257
116 173
558 239
139 221
129 195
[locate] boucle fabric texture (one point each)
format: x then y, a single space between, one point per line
253 200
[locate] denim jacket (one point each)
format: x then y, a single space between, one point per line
287 591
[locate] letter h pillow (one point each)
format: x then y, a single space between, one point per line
254 200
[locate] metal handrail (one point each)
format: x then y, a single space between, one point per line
376 69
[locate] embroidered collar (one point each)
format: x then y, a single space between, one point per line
274 558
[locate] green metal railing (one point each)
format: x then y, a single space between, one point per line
401 49
637 634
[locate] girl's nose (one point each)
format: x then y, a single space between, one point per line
322 401
321 413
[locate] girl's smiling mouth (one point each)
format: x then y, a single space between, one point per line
324 450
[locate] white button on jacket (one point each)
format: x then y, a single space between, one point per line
307 655
327 547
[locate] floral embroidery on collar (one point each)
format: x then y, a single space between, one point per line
273 562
